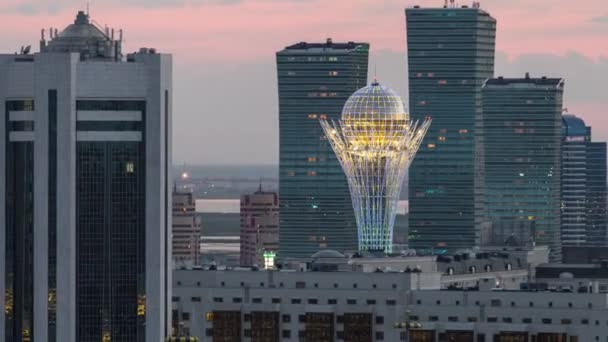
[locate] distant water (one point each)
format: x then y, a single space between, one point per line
229 171
233 206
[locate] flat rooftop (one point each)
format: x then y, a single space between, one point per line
329 45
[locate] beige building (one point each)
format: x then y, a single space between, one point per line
259 228
186 229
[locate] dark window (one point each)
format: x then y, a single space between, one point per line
300 284
379 336
584 321
237 300
379 320
351 301
526 320
296 301
391 302
276 300
312 301
256 300
453 319
433 318
218 299
507 320
371 302
302 318
286 318
546 320
286 334
472 319
196 299
247 332
332 301
175 299
185 316
247 317
492 319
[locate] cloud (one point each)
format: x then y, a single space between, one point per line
600 19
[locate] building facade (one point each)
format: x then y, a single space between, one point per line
356 306
583 186
521 171
259 228
186 229
314 82
85 149
450 53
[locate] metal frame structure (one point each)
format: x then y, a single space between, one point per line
375 142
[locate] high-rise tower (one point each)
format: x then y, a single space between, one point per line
521 172
315 80
450 54
375 141
583 185
85 149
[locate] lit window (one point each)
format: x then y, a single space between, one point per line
430 74
431 146
291 73
442 82
323 94
312 116
333 73
333 59
312 173
323 116
129 167
463 131
443 130
291 174
422 103
312 159
419 74
441 138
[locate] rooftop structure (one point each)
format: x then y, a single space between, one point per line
85 37
375 142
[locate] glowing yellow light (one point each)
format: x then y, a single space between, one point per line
185 175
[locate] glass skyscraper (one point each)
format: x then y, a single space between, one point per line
521 171
450 54
85 149
583 186
314 82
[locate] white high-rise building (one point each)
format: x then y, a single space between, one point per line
85 150
186 229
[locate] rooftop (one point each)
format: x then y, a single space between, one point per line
527 80
329 45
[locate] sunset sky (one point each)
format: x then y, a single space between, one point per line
225 100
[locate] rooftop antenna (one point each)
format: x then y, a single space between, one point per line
375 72
260 186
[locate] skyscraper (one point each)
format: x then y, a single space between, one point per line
521 172
450 54
186 227
375 141
259 228
315 80
85 149
583 185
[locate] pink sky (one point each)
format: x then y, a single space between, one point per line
248 30
233 42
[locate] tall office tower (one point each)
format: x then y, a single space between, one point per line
85 149
522 151
375 141
315 80
583 185
186 229
450 54
259 228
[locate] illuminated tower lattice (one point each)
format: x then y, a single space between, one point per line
375 142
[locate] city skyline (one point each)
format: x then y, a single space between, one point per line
214 58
